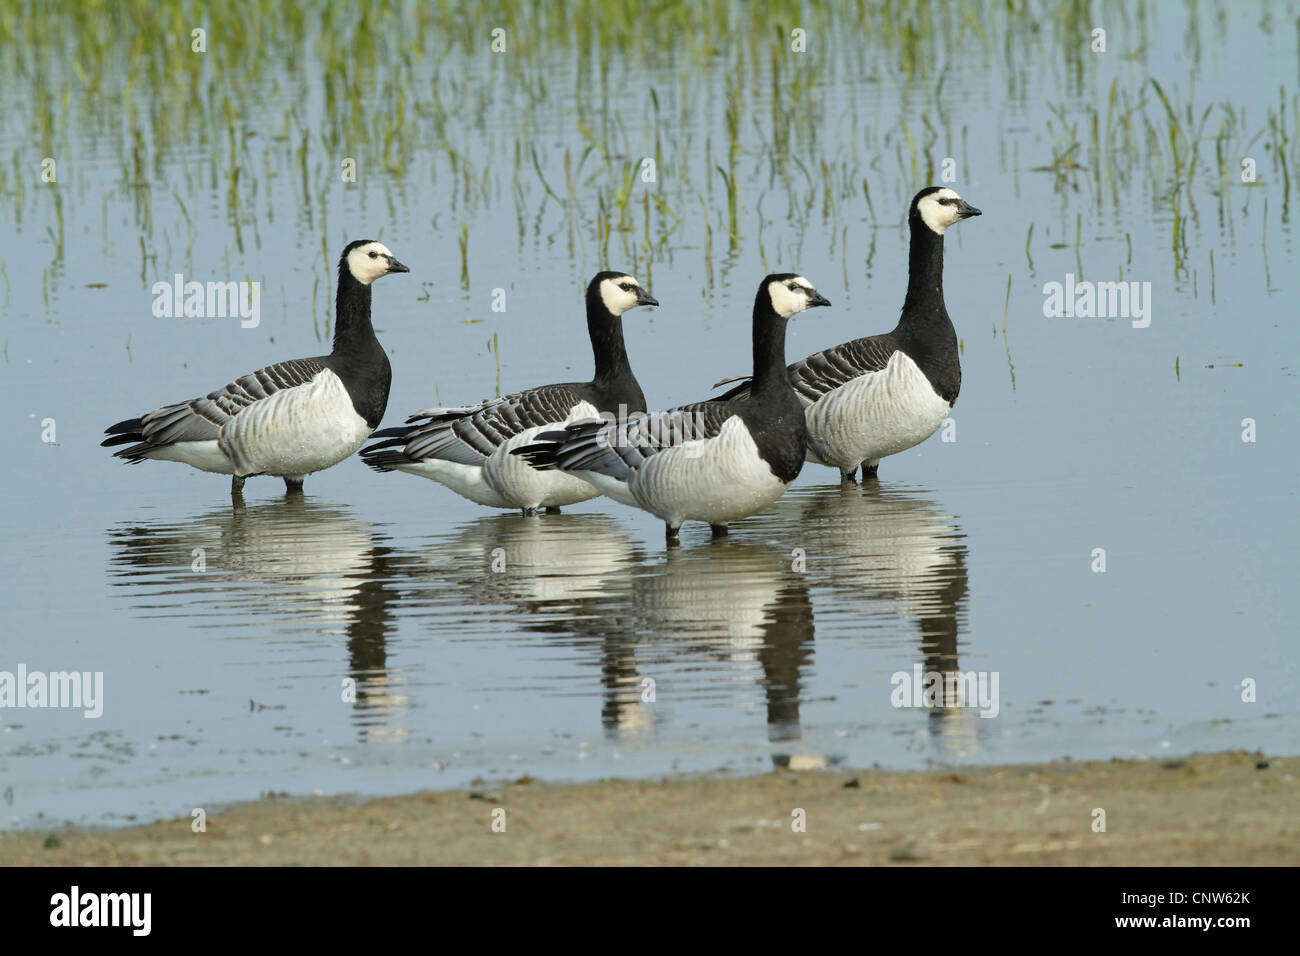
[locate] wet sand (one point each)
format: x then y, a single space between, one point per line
1230 808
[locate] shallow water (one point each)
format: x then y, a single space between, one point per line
591 650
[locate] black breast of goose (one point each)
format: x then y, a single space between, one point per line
468 448
289 419
714 461
877 396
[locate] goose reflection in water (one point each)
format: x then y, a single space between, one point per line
294 567
693 622
711 622
889 553
708 624
532 565
696 623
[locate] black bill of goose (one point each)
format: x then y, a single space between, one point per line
714 461
468 448
289 419
877 396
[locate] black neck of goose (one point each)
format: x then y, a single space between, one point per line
925 273
770 376
353 333
606 332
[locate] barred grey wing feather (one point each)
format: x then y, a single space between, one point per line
470 434
201 419
617 450
828 369
824 371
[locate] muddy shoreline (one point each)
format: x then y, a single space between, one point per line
1214 809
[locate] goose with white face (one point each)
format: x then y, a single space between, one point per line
622 292
943 207
791 296
372 260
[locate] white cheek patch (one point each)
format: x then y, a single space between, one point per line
364 269
361 266
785 302
616 300
936 215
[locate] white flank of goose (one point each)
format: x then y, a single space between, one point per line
289 419
713 461
874 397
469 449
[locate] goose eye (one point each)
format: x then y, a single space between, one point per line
792 287
374 255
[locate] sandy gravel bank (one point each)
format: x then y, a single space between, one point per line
1231 808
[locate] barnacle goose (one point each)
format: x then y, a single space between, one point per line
877 396
712 461
289 419
468 449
